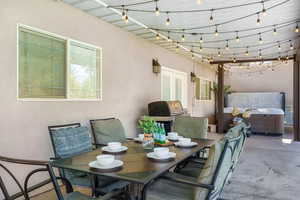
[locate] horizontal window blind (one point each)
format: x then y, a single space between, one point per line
84 71
42 61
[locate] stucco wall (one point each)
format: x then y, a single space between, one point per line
128 82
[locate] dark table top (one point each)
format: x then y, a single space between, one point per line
137 167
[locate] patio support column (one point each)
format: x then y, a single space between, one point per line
220 96
296 99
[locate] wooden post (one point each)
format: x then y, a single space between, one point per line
296 100
220 102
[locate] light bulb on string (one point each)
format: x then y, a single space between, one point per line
183 36
263 11
258 21
279 46
201 39
216 31
200 48
247 52
227 45
260 39
199 1
279 58
169 39
291 45
177 46
157 36
126 17
237 38
260 55
156 8
211 15
123 13
274 30
297 29
168 21
219 53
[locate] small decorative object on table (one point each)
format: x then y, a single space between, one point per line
148 126
242 117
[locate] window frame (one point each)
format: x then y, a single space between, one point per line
68 41
184 84
201 100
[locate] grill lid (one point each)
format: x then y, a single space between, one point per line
165 108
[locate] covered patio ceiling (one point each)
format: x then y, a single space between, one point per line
212 30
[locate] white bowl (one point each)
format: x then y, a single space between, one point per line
173 134
185 141
141 136
114 145
161 152
105 159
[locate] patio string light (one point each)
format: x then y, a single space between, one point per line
125 8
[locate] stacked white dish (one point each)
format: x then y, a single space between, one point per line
114 147
185 142
140 138
106 162
174 136
161 153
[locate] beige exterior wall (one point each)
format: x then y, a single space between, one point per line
280 80
128 82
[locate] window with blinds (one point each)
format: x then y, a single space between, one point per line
52 67
203 89
174 85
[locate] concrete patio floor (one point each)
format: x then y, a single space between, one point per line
268 170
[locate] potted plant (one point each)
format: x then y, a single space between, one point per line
148 126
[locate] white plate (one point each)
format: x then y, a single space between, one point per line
154 156
122 148
116 163
186 145
137 140
175 138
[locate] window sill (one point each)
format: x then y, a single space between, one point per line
199 101
58 100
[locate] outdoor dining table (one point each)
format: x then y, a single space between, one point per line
138 169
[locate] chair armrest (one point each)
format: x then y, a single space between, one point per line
186 180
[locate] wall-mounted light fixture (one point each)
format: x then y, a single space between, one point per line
193 77
156 66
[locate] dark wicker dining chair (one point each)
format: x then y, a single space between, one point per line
41 166
73 139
